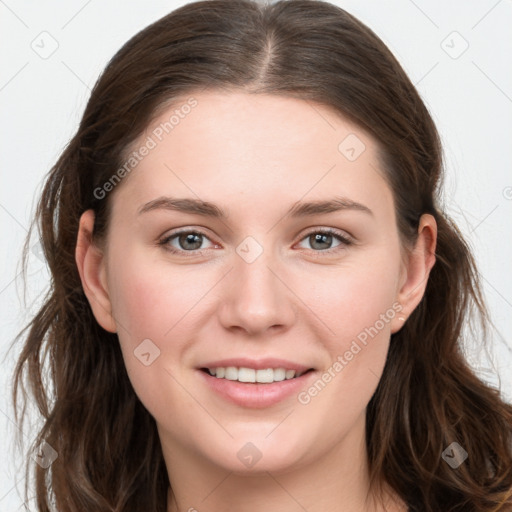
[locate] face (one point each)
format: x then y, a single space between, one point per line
272 284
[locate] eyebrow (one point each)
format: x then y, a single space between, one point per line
208 209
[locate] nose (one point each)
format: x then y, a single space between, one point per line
257 299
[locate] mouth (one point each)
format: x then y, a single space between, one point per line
255 383
256 388
255 376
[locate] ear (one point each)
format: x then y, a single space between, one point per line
416 270
91 263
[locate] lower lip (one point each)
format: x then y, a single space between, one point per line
256 395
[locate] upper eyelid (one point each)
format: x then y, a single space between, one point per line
328 230
185 231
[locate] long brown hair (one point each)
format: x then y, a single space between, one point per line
109 455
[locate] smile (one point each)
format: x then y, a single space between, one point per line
263 376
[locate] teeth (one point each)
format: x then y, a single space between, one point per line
246 375
231 373
267 375
290 374
243 374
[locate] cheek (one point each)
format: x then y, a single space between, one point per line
357 297
157 309
358 308
153 300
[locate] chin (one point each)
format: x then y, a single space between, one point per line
251 454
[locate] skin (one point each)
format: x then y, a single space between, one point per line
255 156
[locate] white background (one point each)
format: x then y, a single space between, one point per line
470 98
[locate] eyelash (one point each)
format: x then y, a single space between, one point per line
344 239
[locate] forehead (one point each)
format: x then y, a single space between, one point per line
244 147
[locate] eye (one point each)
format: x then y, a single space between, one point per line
321 240
184 241
191 241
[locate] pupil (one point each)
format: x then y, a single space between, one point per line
189 238
321 238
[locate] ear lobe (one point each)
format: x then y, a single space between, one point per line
91 264
417 270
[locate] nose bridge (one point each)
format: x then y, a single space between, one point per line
258 299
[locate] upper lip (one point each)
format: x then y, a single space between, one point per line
257 364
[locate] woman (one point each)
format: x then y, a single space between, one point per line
304 352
